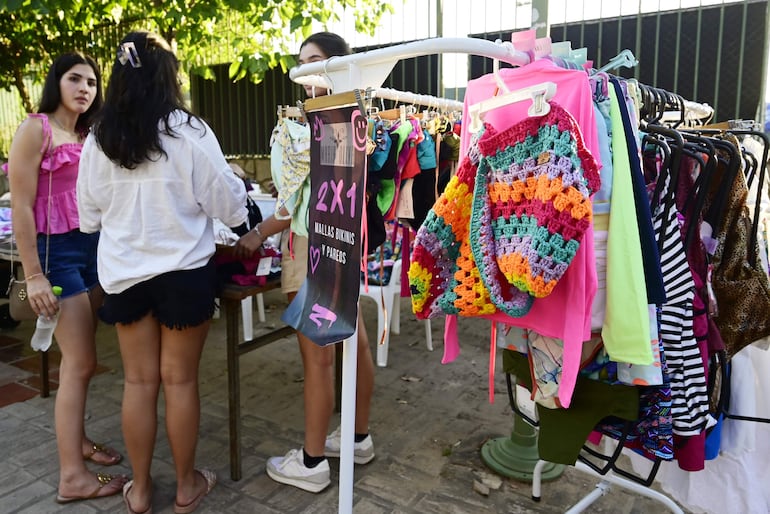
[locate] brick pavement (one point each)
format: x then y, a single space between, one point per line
428 423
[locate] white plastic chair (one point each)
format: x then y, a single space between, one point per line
248 319
391 294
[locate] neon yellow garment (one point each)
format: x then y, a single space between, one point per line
626 328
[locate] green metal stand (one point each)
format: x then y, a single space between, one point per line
515 456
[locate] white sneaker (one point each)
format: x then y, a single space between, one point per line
291 470
363 452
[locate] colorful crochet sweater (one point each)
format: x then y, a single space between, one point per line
508 223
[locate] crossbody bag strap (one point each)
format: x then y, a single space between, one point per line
48 223
49 154
13 269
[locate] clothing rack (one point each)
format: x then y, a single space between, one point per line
609 474
358 72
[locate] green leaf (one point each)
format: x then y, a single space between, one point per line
234 68
205 32
297 22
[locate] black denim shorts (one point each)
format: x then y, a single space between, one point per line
178 299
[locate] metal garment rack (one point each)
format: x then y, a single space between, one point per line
608 475
602 488
367 71
358 72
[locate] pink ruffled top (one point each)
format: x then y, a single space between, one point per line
59 168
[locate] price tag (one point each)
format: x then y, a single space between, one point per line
263 268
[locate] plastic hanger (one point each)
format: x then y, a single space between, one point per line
660 146
501 85
539 94
625 59
542 48
579 56
561 49
751 165
765 140
675 143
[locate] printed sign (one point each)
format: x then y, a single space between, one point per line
326 306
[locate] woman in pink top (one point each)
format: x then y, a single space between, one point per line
42 172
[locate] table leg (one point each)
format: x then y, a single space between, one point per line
45 385
232 311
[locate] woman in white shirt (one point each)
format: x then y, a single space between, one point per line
152 177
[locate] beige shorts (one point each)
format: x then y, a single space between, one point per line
293 271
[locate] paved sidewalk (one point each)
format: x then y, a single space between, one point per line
428 423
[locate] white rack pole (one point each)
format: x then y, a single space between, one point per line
370 69
417 99
347 421
405 97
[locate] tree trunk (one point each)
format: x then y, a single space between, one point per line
18 80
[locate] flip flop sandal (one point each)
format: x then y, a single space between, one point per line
104 479
211 480
106 450
126 489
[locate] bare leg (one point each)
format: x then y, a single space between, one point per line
179 362
318 364
96 297
364 379
140 351
318 393
75 336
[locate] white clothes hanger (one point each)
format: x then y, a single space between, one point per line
539 94
501 85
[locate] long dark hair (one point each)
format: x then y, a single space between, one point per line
51 97
330 43
143 90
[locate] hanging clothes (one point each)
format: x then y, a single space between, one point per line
565 313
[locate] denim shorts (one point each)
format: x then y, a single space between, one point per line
71 261
178 299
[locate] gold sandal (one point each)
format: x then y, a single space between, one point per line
100 492
113 457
